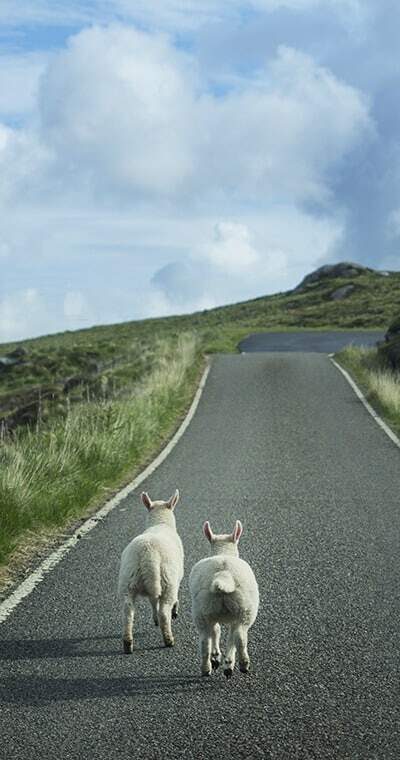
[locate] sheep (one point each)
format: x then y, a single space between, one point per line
152 566
223 590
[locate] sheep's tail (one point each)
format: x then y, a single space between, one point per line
150 567
223 583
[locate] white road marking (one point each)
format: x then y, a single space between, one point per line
30 583
393 437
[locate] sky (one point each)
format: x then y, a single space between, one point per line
166 156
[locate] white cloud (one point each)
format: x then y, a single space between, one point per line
24 161
280 135
231 249
115 106
280 247
22 314
126 117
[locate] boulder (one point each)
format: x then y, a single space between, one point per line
331 271
390 348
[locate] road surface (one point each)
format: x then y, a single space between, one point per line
280 441
315 340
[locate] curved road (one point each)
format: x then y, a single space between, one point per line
280 441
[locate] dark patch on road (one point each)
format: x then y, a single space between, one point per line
320 342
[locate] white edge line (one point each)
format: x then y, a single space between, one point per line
29 584
393 437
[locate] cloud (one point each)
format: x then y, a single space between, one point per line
170 14
136 185
24 163
231 249
126 117
115 106
237 260
19 81
22 313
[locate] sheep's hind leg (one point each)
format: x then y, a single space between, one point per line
205 651
215 650
230 656
241 643
164 616
155 605
128 610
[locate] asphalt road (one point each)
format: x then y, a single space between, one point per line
315 340
280 441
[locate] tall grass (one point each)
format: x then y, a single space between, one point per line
386 387
380 384
48 475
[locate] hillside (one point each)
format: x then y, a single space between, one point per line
42 376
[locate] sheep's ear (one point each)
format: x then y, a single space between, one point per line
146 500
208 532
173 500
237 531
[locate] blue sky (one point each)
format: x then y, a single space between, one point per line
158 158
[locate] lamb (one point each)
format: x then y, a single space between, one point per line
223 590
152 566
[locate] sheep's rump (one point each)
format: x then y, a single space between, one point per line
223 583
148 567
223 590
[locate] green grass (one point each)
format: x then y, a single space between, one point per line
50 475
380 385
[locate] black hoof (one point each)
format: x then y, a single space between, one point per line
206 673
169 643
174 614
128 646
244 668
228 672
215 664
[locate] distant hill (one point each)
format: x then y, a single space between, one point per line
47 371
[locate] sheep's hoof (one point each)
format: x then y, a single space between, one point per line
244 667
169 642
206 672
128 646
215 663
228 672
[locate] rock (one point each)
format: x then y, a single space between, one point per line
18 353
343 269
390 348
342 292
393 330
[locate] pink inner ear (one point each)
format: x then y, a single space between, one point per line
207 531
146 500
238 530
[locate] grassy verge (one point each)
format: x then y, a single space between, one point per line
380 385
49 476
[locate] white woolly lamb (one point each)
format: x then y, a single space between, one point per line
152 566
224 590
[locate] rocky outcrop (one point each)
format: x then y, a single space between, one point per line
331 271
390 348
342 292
